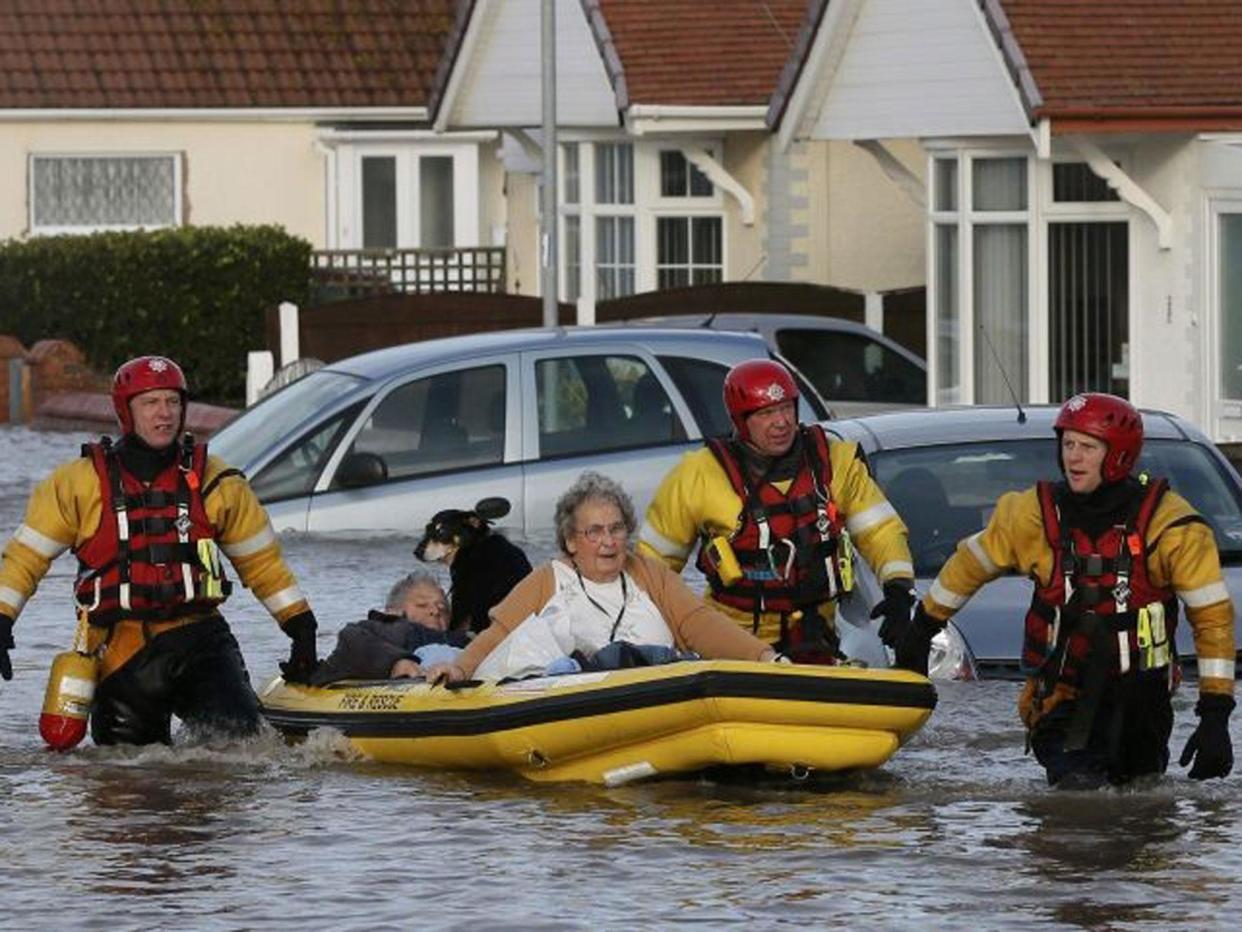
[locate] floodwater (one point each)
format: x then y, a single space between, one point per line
957 831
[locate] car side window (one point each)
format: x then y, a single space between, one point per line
588 404
701 383
294 471
454 420
853 367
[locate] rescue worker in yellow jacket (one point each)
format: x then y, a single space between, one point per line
146 518
1110 554
777 511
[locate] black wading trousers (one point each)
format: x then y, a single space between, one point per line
195 672
1129 735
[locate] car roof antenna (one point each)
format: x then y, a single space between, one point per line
1004 375
707 321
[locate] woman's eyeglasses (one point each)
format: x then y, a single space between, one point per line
596 532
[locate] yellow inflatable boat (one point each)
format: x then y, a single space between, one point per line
623 725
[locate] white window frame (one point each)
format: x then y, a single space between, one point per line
1041 210
648 205
591 211
1225 414
178 161
1049 211
345 221
967 218
684 207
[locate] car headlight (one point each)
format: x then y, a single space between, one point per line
950 657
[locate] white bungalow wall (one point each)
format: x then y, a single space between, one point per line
502 83
1175 316
1173 322
1220 192
1166 347
909 69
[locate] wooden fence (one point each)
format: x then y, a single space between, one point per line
348 274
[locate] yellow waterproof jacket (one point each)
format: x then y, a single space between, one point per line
696 500
64 513
1180 556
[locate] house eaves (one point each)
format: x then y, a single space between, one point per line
221 114
447 79
646 119
607 52
1015 61
795 64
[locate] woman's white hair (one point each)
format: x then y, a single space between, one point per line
590 486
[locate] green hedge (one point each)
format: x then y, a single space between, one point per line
195 294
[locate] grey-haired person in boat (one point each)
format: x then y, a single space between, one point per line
412 629
597 592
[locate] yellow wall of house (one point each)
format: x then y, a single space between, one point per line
744 159
522 232
232 172
868 233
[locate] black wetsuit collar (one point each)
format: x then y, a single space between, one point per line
143 461
773 469
1095 512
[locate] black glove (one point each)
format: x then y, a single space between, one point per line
6 645
303 658
914 647
896 606
1209 746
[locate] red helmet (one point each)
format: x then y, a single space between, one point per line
755 384
144 374
1111 419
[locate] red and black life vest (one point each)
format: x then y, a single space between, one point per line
786 543
144 561
1094 594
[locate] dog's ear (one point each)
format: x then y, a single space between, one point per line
492 508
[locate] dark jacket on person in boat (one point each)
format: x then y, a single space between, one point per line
367 649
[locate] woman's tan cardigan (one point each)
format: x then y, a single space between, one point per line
695 625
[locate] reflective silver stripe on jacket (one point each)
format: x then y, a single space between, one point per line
41 544
1204 595
869 518
896 568
946 597
12 597
253 544
975 546
662 544
1216 667
290 595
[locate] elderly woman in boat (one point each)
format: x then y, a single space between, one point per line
597 592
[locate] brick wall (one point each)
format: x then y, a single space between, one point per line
52 367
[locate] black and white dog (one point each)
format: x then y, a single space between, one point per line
483 565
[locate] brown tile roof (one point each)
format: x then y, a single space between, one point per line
698 52
1129 60
220 53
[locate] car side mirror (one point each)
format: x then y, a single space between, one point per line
360 470
490 509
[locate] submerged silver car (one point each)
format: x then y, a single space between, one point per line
384 440
855 369
944 469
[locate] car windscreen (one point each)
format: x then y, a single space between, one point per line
278 416
945 493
